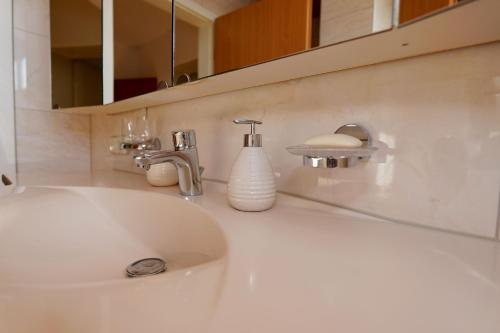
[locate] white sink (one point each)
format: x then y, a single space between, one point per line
64 251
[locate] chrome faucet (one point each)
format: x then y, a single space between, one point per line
184 157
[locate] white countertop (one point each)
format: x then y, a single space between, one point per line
305 266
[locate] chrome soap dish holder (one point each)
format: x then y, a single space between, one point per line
333 157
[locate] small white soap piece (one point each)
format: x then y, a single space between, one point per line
335 140
163 174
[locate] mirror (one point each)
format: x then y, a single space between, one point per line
145 51
411 10
76 53
218 36
142 46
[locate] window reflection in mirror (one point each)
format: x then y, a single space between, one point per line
76 52
233 34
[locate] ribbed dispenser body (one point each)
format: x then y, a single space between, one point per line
252 187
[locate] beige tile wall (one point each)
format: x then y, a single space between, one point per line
52 141
46 140
436 119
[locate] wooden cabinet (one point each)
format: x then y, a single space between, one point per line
264 30
412 9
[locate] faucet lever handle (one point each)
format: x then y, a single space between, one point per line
184 139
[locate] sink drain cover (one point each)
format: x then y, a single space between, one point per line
146 267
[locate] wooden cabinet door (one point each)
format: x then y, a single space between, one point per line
264 30
411 9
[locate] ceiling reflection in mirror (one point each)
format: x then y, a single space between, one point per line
233 34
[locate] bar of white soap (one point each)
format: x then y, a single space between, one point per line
335 140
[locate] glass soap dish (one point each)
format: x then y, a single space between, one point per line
332 152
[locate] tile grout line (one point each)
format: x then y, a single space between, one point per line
91 149
32 32
497 230
58 112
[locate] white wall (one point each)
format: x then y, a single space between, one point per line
62 81
152 58
7 134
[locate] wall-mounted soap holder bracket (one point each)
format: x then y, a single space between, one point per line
334 157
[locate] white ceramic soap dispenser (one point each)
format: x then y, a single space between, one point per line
251 185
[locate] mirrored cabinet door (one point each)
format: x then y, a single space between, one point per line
142 44
234 34
76 53
145 50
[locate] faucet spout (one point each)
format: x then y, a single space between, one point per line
146 160
184 158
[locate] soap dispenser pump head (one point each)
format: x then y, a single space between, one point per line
252 139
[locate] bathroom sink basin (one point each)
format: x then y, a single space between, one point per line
64 254
83 235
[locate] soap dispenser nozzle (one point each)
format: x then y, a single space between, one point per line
252 139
